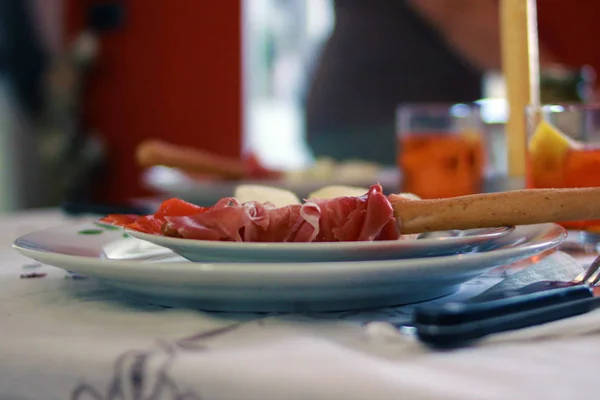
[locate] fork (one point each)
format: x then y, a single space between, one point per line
590 276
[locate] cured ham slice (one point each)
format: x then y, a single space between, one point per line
154 223
120 219
361 218
365 218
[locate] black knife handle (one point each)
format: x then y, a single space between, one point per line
459 313
462 334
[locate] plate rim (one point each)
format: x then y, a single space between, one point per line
317 246
308 267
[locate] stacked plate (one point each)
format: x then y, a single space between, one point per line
174 183
284 277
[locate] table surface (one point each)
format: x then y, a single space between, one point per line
66 338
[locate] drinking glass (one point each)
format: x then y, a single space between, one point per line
441 150
563 150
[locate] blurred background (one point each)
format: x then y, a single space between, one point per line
82 82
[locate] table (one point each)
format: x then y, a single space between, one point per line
64 338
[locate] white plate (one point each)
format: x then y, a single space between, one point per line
174 183
440 243
158 276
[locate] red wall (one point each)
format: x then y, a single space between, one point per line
570 30
173 71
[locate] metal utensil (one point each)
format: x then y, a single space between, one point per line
590 276
454 324
459 334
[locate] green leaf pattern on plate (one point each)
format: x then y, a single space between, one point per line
90 231
102 228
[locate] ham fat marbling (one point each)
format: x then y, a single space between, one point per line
364 218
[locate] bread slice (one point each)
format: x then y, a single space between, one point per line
283 197
279 197
330 192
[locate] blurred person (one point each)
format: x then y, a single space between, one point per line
50 156
383 53
23 58
23 61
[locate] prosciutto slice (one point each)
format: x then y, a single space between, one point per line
365 218
154 223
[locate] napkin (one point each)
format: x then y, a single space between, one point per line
557 266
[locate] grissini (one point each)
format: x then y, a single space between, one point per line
519 207
156 152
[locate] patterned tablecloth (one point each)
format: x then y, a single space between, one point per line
65 338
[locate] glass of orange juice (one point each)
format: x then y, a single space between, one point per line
563 150
441 150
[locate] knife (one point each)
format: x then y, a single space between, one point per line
457 324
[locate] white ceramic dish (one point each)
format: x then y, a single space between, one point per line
156 275
442 243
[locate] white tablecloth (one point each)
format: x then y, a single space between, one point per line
73 339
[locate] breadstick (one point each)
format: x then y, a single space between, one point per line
520 207
155 152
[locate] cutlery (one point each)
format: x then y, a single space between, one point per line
463 333
590 276
455 324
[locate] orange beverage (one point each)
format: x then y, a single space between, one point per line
437 165
564 152
441 151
